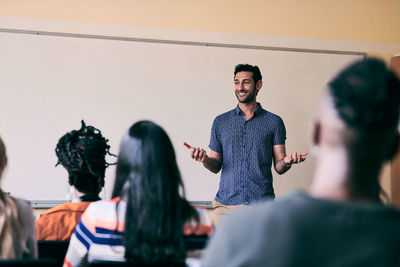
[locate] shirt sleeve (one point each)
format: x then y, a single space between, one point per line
79 245
215 141
280 132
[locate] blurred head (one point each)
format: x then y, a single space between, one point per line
359 112
3 157
12 239
148 179
82 153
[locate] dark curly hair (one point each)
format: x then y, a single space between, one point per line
249 68
366 95
82 153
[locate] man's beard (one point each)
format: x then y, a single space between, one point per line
249 98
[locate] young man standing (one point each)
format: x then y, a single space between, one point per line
244 142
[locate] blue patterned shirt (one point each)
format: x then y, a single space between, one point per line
246 148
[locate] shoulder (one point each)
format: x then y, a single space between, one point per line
271 116
102 206
66 207
104 210
23 205
265 215
225 115
25 211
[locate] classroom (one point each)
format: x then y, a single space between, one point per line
172 62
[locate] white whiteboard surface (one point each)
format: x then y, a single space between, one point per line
50 83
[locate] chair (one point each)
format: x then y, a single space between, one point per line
53 249
133 264
29 263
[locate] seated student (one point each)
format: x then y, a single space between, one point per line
17 223
148 218
342 221
82 153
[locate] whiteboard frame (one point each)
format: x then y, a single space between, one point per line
52 203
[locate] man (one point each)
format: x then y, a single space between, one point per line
342 222
244 141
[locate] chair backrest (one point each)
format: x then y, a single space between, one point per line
53 250
133 264
29 263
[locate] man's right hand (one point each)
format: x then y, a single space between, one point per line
198 154
212 163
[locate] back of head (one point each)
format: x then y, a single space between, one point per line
12 245
249 68
82 153
148 179
3 157
366 98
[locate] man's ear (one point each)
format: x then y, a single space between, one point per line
259 85
316 133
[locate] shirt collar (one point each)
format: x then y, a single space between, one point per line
256 113
89 197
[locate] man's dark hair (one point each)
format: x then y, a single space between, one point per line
366 95
82 153
249 68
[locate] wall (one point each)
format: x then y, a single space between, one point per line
360 25
361 20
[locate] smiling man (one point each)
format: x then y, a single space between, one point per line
244 143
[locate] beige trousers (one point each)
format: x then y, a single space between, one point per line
220 210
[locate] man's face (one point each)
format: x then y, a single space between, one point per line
245 89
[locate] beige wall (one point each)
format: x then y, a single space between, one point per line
362 20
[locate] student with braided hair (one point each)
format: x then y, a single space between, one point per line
82 153
17 223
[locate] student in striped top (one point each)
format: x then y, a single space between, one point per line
148 220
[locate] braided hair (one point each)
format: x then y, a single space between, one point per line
82 153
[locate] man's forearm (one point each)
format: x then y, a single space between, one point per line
212 164
281 167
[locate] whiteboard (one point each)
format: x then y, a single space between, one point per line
50 82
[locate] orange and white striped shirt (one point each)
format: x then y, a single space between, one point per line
99 234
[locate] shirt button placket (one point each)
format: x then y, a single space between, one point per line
244 192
